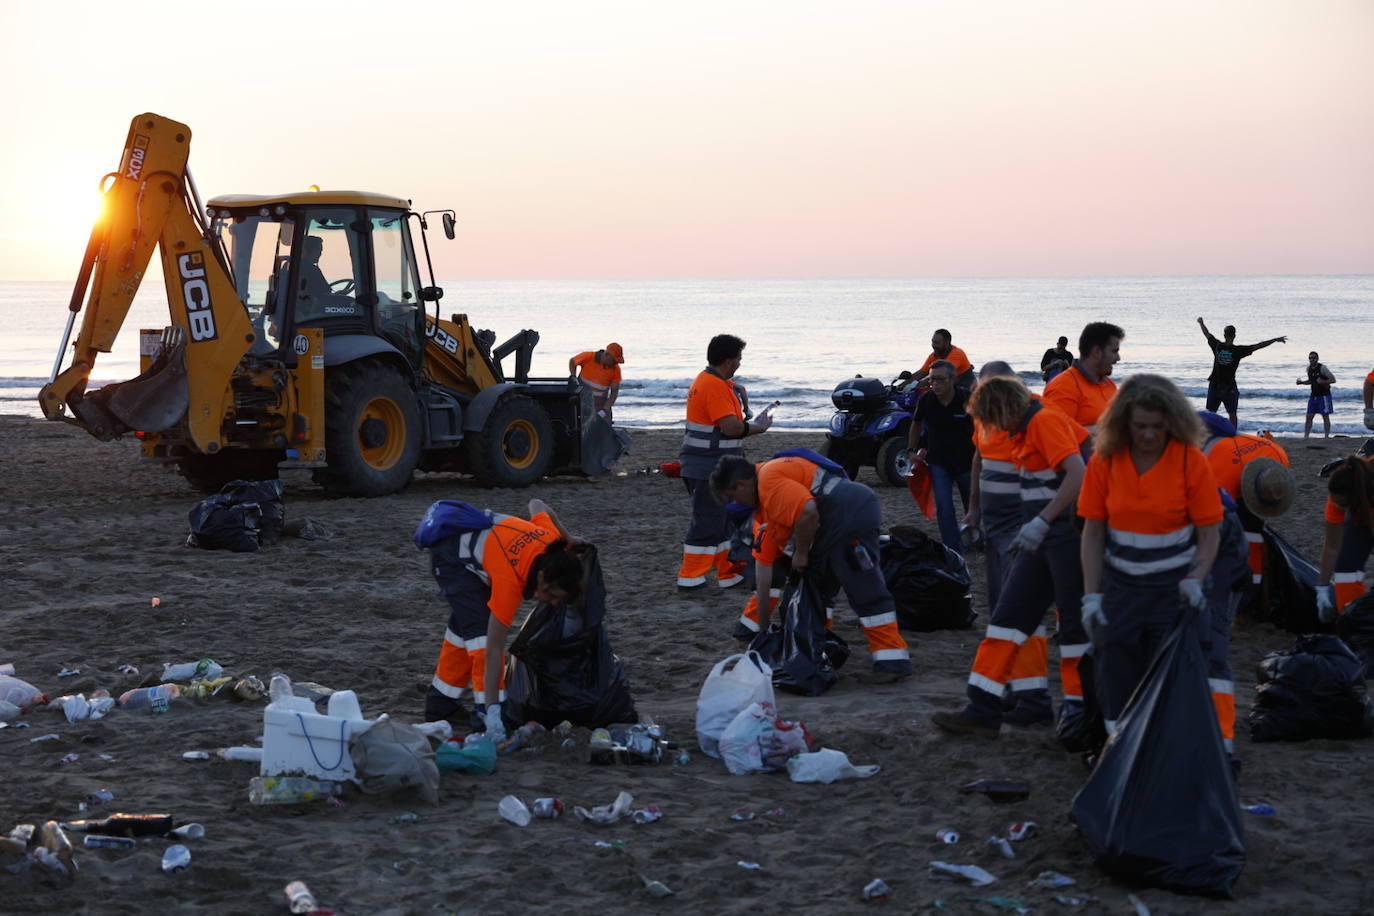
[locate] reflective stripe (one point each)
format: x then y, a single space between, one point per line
691 581
1344 577
1229 744
1007 634
1111 726
1073 698
452 638
824 482
878 620
719 445
700 427
1254 537
1006 488
729 581
1217 685
1038 493
593 385
1143 568
1075 650
999 467
697 549
1040 632
890 655
1175 538
1256 578
1030 683
453 693
986 684
476 645
749 623
1045 474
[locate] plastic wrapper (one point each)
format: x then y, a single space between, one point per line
826 766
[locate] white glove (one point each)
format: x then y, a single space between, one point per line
1326 603
1369 418
1190 590
496 729
1031 536
1094 620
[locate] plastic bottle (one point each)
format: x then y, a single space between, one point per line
187 671
100 841
53 838
241 752
770 408
289 790
299 898
862 558
154 698
514 810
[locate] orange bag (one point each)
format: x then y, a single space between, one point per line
918 482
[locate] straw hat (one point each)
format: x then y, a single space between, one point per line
1266 487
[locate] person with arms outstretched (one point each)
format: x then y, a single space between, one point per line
1226 357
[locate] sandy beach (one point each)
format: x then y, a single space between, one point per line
90 536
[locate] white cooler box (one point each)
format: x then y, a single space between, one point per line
298 740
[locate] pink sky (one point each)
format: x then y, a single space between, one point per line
738 139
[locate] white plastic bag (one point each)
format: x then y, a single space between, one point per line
725 693
743 742
826 766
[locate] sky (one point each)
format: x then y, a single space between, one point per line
733 139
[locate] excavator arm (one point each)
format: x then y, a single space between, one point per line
151 203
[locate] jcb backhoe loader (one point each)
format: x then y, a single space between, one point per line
300 337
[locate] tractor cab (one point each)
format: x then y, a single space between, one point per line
341 261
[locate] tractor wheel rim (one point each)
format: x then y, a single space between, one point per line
520 444
387 412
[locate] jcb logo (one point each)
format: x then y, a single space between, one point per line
200 315
133 168
441 337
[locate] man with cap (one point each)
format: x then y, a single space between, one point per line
1056 359
600 373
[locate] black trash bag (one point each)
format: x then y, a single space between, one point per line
1289 593
1314 690
1160 807
602 444
803 653
929 582
1355 627
1080 728
240 517
561 665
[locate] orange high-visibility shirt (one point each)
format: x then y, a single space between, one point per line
1333 513
955 355
993 444
1229 456
1370 377
784 489
712 398
1072 394
1178 491
1047 440
512 546
592 371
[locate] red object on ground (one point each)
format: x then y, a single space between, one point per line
918 482
671 468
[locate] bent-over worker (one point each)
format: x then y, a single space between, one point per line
600 372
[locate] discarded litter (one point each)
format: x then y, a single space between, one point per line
20 693
547 808
1003 846
978 877
1074 901
1021 830
176 858
205 668
476 754
647 815
876 889
948 837
741 814
657 888
69 672
70 758
100 796
1052 880
156 698
242 753
289 790
410 817
752 866
196 755
997 790
299 898
124 824
1261 810
51 737
826 766
189 831
603 815
99 841
514 810
614 844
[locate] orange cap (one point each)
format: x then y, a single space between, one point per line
615 350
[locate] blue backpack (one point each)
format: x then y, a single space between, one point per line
814 457
449 517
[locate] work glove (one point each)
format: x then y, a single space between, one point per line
1094 620
1031 536
496 729
1369 418
1326 603
1190 590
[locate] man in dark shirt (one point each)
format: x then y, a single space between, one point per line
1056 359
1226 356
941 414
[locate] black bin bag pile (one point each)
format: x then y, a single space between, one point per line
804 654
1160 807
242 516
561 664
1355 627
1314 690
1288 596
928 581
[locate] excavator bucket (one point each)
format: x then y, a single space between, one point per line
152 401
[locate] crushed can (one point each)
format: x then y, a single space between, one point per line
547 808
876 889
1021 830
948 837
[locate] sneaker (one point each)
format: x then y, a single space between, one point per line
959 724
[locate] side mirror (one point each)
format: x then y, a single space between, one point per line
906 374
431 293
448 225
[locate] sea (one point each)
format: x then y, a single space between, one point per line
804 337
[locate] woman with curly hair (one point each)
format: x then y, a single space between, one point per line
1153 522
1044 570
1349 535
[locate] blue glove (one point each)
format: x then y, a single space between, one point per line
496 729
1190 590
1326 603
1094 620
1031 536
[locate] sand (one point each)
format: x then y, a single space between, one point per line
90 536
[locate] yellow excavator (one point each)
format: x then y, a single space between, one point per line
300 336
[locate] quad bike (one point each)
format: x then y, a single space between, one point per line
870 426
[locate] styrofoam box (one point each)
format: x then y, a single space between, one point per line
296 739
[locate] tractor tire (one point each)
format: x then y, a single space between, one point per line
209 473
892 463
841 455
515 447
372 430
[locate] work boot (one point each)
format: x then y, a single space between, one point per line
887 672
959 723
1030 708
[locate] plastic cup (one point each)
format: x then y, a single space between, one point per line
176 858
514 810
